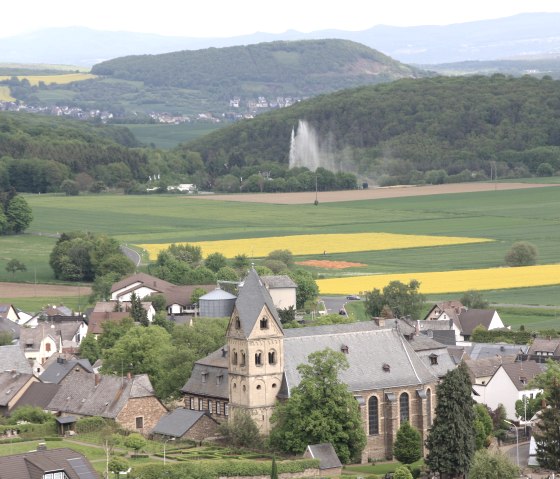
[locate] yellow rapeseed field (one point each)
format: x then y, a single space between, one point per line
450 281
317 244
5 93
49 79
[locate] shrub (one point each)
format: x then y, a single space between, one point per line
522 253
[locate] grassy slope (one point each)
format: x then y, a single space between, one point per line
505 216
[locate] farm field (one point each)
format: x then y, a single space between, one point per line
50 79
504 216
5 94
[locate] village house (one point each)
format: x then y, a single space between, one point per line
186 424
8 311
258 366
543 349
129 400
12 386
509 383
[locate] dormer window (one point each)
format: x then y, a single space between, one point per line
219 379
344 349
433 359
204 377
386 367
523 380
264 323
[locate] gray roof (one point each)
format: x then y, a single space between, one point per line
522 372
471 318
8 326
249 304
12 358
10 384
28 465
435 355
326 455
541 345
217 294
58 370
177 422
278 281
435 324
370 351
214 383
486 350
106 399
487 366
37 395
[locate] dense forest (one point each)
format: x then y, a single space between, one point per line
299 68
411 131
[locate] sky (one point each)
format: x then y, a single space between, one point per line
226 18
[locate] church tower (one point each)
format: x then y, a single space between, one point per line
256 353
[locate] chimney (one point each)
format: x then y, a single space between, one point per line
97 379
380 321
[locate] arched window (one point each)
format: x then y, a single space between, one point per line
404 408
47 347
272 357
234 358
258 358
264 322
373 415
429 406
237 323
242 358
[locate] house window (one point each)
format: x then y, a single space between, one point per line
191 403
219 379
200 404
47 347
234 358
210 406
226 409
242 358
204 377
433 359
258 359
272 357
264 323
373 415
429 406
218 407
140 422
404 407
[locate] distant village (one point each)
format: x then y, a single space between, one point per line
238 110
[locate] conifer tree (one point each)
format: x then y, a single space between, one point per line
547 433
408 444
451 441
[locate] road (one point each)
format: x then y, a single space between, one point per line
131 254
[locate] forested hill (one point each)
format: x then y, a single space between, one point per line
409 130
299 68
37 153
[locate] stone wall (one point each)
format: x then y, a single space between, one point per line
285 475
148 408
203 428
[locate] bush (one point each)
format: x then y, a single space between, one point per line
522 253
90 424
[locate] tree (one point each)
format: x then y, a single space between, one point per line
283 255
29 413
18 214
451 440
274 469
101 287
307 288
196 294
474 300
158 301
215 261
135 441
137 311
241 430
402 472
492 465
522 253
483 426
15 265
187 253
70 188
547 430
408 444
321 409
403 299
227 273
118 464
89 348
528 407
287 315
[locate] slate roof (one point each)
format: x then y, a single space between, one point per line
32 465
10 384
5 309
522 372
8 326
326 455
144 279
471 318
58 370
485 350
486 366
369 349
65 330
177 422
12 358
428 349
249 304
278 281
106 399
214 365
37 395
97 318
541 345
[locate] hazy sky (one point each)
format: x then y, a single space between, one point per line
224 18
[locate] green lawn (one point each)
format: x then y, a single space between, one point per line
504 216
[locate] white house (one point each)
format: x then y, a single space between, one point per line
464 321
282 289
508 384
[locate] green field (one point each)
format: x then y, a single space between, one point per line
169 136
504 216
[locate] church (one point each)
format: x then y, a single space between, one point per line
258 367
